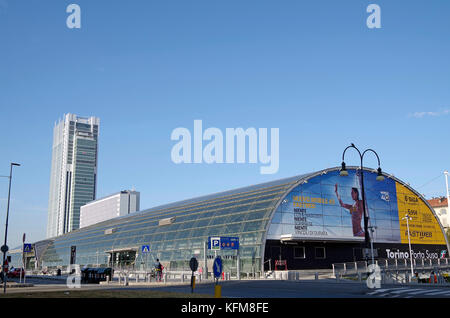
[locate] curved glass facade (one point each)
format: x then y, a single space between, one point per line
315 207
178 231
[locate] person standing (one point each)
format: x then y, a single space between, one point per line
158 269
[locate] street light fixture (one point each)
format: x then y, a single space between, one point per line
4 248
343 172
380 176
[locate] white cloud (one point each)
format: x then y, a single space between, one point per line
432 114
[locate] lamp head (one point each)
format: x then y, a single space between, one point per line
380 176
343 172
15 164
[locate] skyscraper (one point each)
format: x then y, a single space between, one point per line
73 175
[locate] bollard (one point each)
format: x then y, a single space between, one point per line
359 277
217 291
316 276
337 277
182 277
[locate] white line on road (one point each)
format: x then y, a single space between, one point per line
377 291
425 291
439 293
408 290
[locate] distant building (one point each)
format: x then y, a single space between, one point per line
440 206
73 175
115 205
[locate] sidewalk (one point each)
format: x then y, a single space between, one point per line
47 277
16 285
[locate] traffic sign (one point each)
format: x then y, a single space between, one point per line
217 267
214 243
229 243
145 249
193 264
73 254
223 243
27 248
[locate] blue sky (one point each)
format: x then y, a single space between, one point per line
310 68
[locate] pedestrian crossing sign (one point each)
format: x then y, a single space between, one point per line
145 249
27 248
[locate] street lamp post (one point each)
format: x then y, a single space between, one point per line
448 195
380 177
5 247
408 218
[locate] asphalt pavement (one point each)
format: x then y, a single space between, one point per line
323 288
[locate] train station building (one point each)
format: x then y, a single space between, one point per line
303 222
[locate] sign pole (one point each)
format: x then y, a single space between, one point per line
193 264
409 243
448 195
23 260
238 265
23 256
217 269
205 260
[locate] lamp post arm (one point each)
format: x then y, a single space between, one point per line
378 158
351 146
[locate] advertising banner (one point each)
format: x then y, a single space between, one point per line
330 207
423 226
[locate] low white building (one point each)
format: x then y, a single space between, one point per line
440 207
115 205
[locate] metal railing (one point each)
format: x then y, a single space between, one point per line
391 265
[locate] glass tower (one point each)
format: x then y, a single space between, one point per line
73 175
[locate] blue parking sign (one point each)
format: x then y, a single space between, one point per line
215 243
223 243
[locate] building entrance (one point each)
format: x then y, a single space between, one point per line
123 258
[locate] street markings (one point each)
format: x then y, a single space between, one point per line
440 293
408 292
